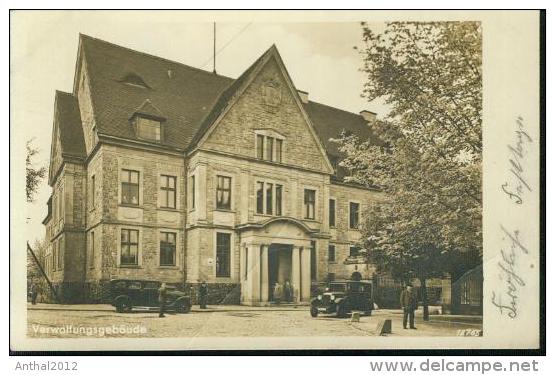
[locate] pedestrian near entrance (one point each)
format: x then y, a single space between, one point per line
34 293
288 292
203 294
409 303
278 293
162 292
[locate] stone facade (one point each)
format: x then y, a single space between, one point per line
290 246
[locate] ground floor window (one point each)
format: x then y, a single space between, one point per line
129 247
223 254
167 249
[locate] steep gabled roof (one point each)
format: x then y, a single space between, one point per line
68 120
182 93
189 98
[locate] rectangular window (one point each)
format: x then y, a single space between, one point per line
260 197
279 192
192 183
129 187
148 129
354 251
61 253
269 199
91 254
353 215
260 146
331 253
332 212
167 191
223 255
93 190
223 193
55 256
167 249
309 203
269 148
129 247
279 149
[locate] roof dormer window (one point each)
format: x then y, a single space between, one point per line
134 79
147 121
148 129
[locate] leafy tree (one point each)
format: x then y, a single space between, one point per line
428 157
34 175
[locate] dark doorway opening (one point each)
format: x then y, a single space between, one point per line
279 270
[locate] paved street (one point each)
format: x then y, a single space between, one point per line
224 321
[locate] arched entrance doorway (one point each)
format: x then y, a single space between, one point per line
275 251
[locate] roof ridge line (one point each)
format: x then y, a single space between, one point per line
153 56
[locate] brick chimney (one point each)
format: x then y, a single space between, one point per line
303 95
368 116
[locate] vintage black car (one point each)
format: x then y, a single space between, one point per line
127 294
342 298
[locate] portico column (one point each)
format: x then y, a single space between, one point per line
253 272
264 273
296 273
305 274
243 271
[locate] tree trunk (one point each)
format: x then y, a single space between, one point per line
425 312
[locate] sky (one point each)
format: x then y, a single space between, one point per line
319 57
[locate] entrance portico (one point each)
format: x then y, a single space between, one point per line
275 251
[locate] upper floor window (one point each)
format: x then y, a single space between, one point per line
93 190
148 129
309 203
269 198
269 148
167 248
129 247
192 191
129 187
354 215
331 253
167 191
332 212
223 193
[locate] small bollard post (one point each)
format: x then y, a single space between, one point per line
384 327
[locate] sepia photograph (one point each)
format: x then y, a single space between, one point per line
214 182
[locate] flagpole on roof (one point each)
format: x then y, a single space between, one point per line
214 50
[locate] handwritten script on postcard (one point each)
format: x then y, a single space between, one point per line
516 187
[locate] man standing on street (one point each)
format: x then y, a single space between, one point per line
409 303
162 299
203 294
34 293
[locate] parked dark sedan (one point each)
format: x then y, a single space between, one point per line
343 297
127 294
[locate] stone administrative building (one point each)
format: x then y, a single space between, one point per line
167 172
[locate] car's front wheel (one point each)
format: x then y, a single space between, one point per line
182 307
123 305
313 312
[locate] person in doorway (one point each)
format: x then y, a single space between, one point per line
202 294
278 292
287 292
409 303
162 293
34 293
